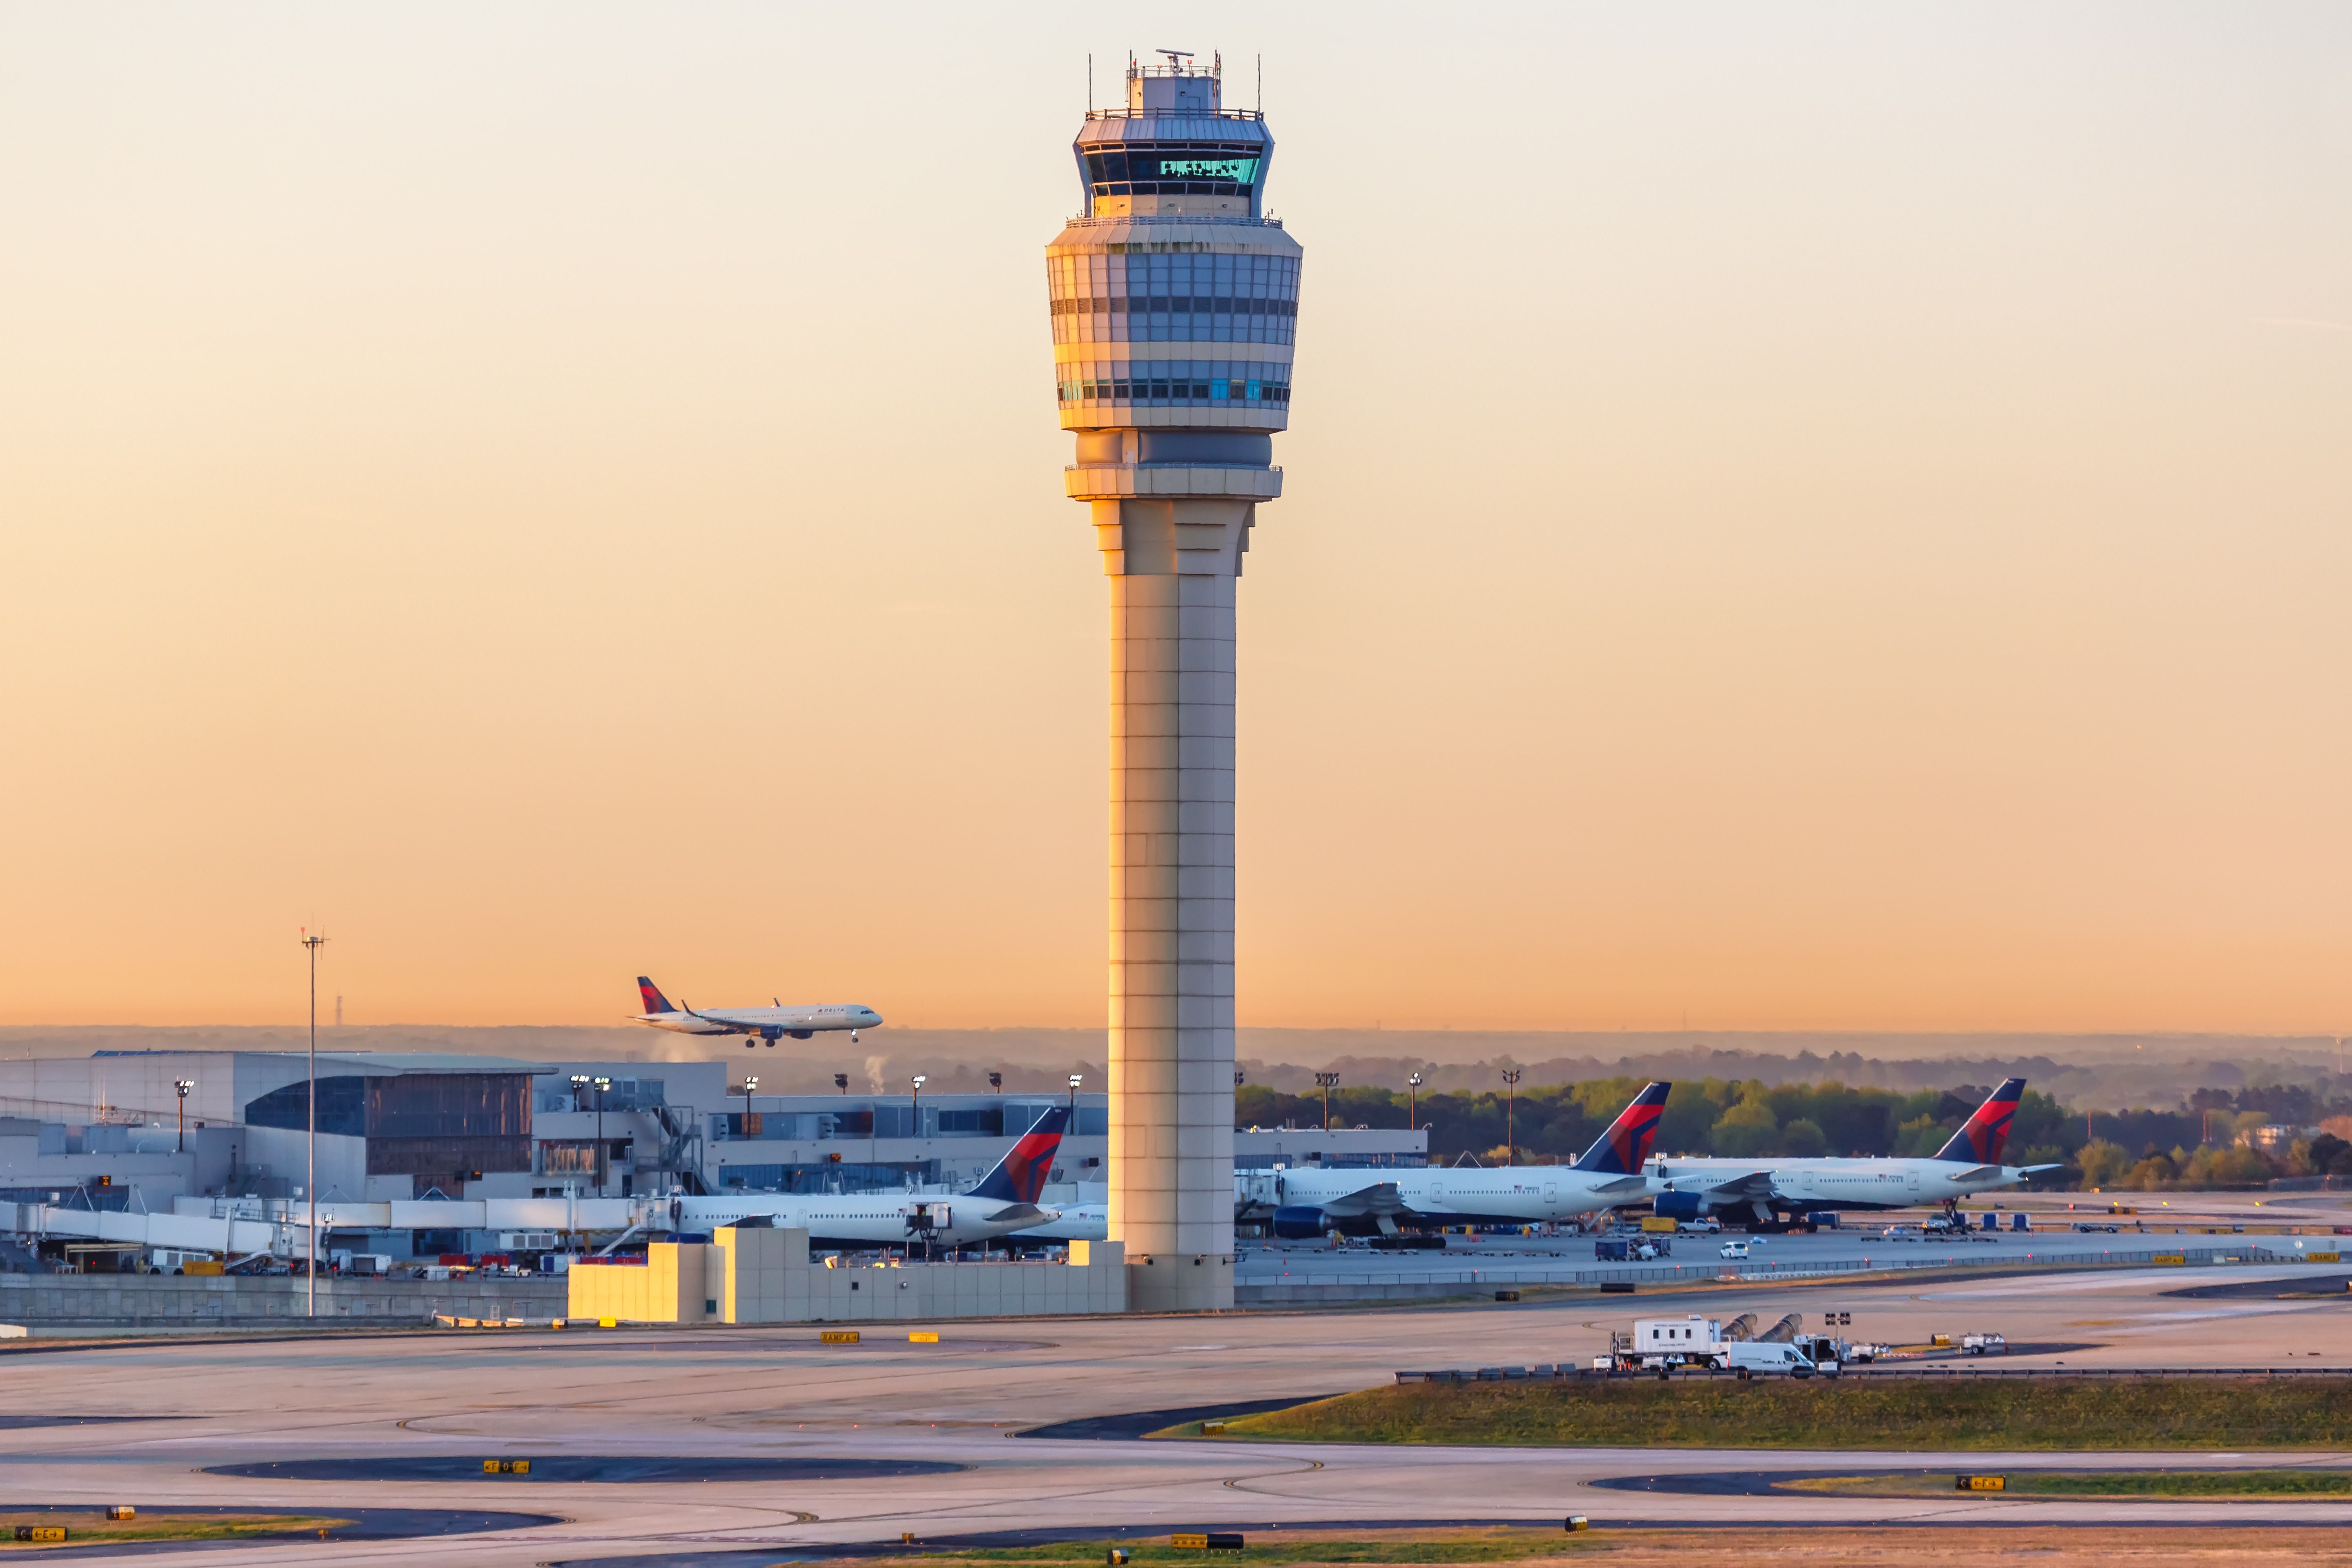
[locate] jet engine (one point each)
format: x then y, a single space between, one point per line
1301 1222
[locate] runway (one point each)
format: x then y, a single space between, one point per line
771 1396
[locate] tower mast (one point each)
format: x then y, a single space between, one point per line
1174 304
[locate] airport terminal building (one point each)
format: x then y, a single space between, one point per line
118 1130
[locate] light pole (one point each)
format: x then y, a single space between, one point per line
841 1081
1237 1077
917 1080
1075 1079
1412 1103
602 1083
750 1082
1511 1117
180 1144
1326 1081
995 1081
310 1177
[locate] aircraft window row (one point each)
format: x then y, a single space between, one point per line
1178 304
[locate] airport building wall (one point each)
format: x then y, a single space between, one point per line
761 1275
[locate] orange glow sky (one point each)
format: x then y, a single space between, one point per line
1806 516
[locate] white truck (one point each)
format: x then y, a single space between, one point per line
1661 1344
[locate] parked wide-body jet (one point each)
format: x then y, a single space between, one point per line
1969 1163
768 1024
1004 1201
1312 1202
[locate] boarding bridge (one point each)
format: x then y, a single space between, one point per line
245 1227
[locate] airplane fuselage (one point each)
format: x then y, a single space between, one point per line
1502 1194
852 1221
770 1023
1828 1184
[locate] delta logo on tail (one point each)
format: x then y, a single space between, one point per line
1984 1137
1621 1150
1020 1176
650 994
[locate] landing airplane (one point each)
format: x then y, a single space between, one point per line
1004 1201
1969 1163
768 1024
1311 1201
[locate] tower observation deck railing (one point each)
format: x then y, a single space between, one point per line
1080 220
1175 114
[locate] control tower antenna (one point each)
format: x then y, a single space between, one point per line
1174 304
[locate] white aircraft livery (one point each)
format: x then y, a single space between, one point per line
1969 1163
768 1024
1312 1202
1004 1201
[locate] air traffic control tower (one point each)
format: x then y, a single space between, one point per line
1175 304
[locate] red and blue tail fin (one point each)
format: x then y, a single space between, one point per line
1983 1138
1621 1150
1020 1176
650 994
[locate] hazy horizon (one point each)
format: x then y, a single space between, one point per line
1819 518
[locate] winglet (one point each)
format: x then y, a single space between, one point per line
1020 1176
1622 1150
1983 1136
650 994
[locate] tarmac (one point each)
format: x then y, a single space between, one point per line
840 1444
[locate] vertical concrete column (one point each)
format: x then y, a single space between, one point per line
1173 566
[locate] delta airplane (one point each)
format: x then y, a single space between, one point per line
1314 1202
1969 1163
1004 1201
768 1024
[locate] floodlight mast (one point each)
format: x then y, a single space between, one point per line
311 943
1174 303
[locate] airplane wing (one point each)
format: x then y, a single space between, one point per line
1753 1185
1979 1174
2037 1170
1023 1215
1379 1198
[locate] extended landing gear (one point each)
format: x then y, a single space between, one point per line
853 1037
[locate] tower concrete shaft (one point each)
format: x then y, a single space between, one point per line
1175 305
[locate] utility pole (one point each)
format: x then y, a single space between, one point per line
310 1175
602 1083
1327 1081
180 1144
1511 1117
1412 1103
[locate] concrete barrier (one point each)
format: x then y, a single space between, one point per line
756 1275
54 1304
1305 1287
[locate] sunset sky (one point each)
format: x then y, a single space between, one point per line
1808 516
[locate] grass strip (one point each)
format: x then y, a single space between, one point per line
94 1527
2151 1412
1494 1544
2094 1484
